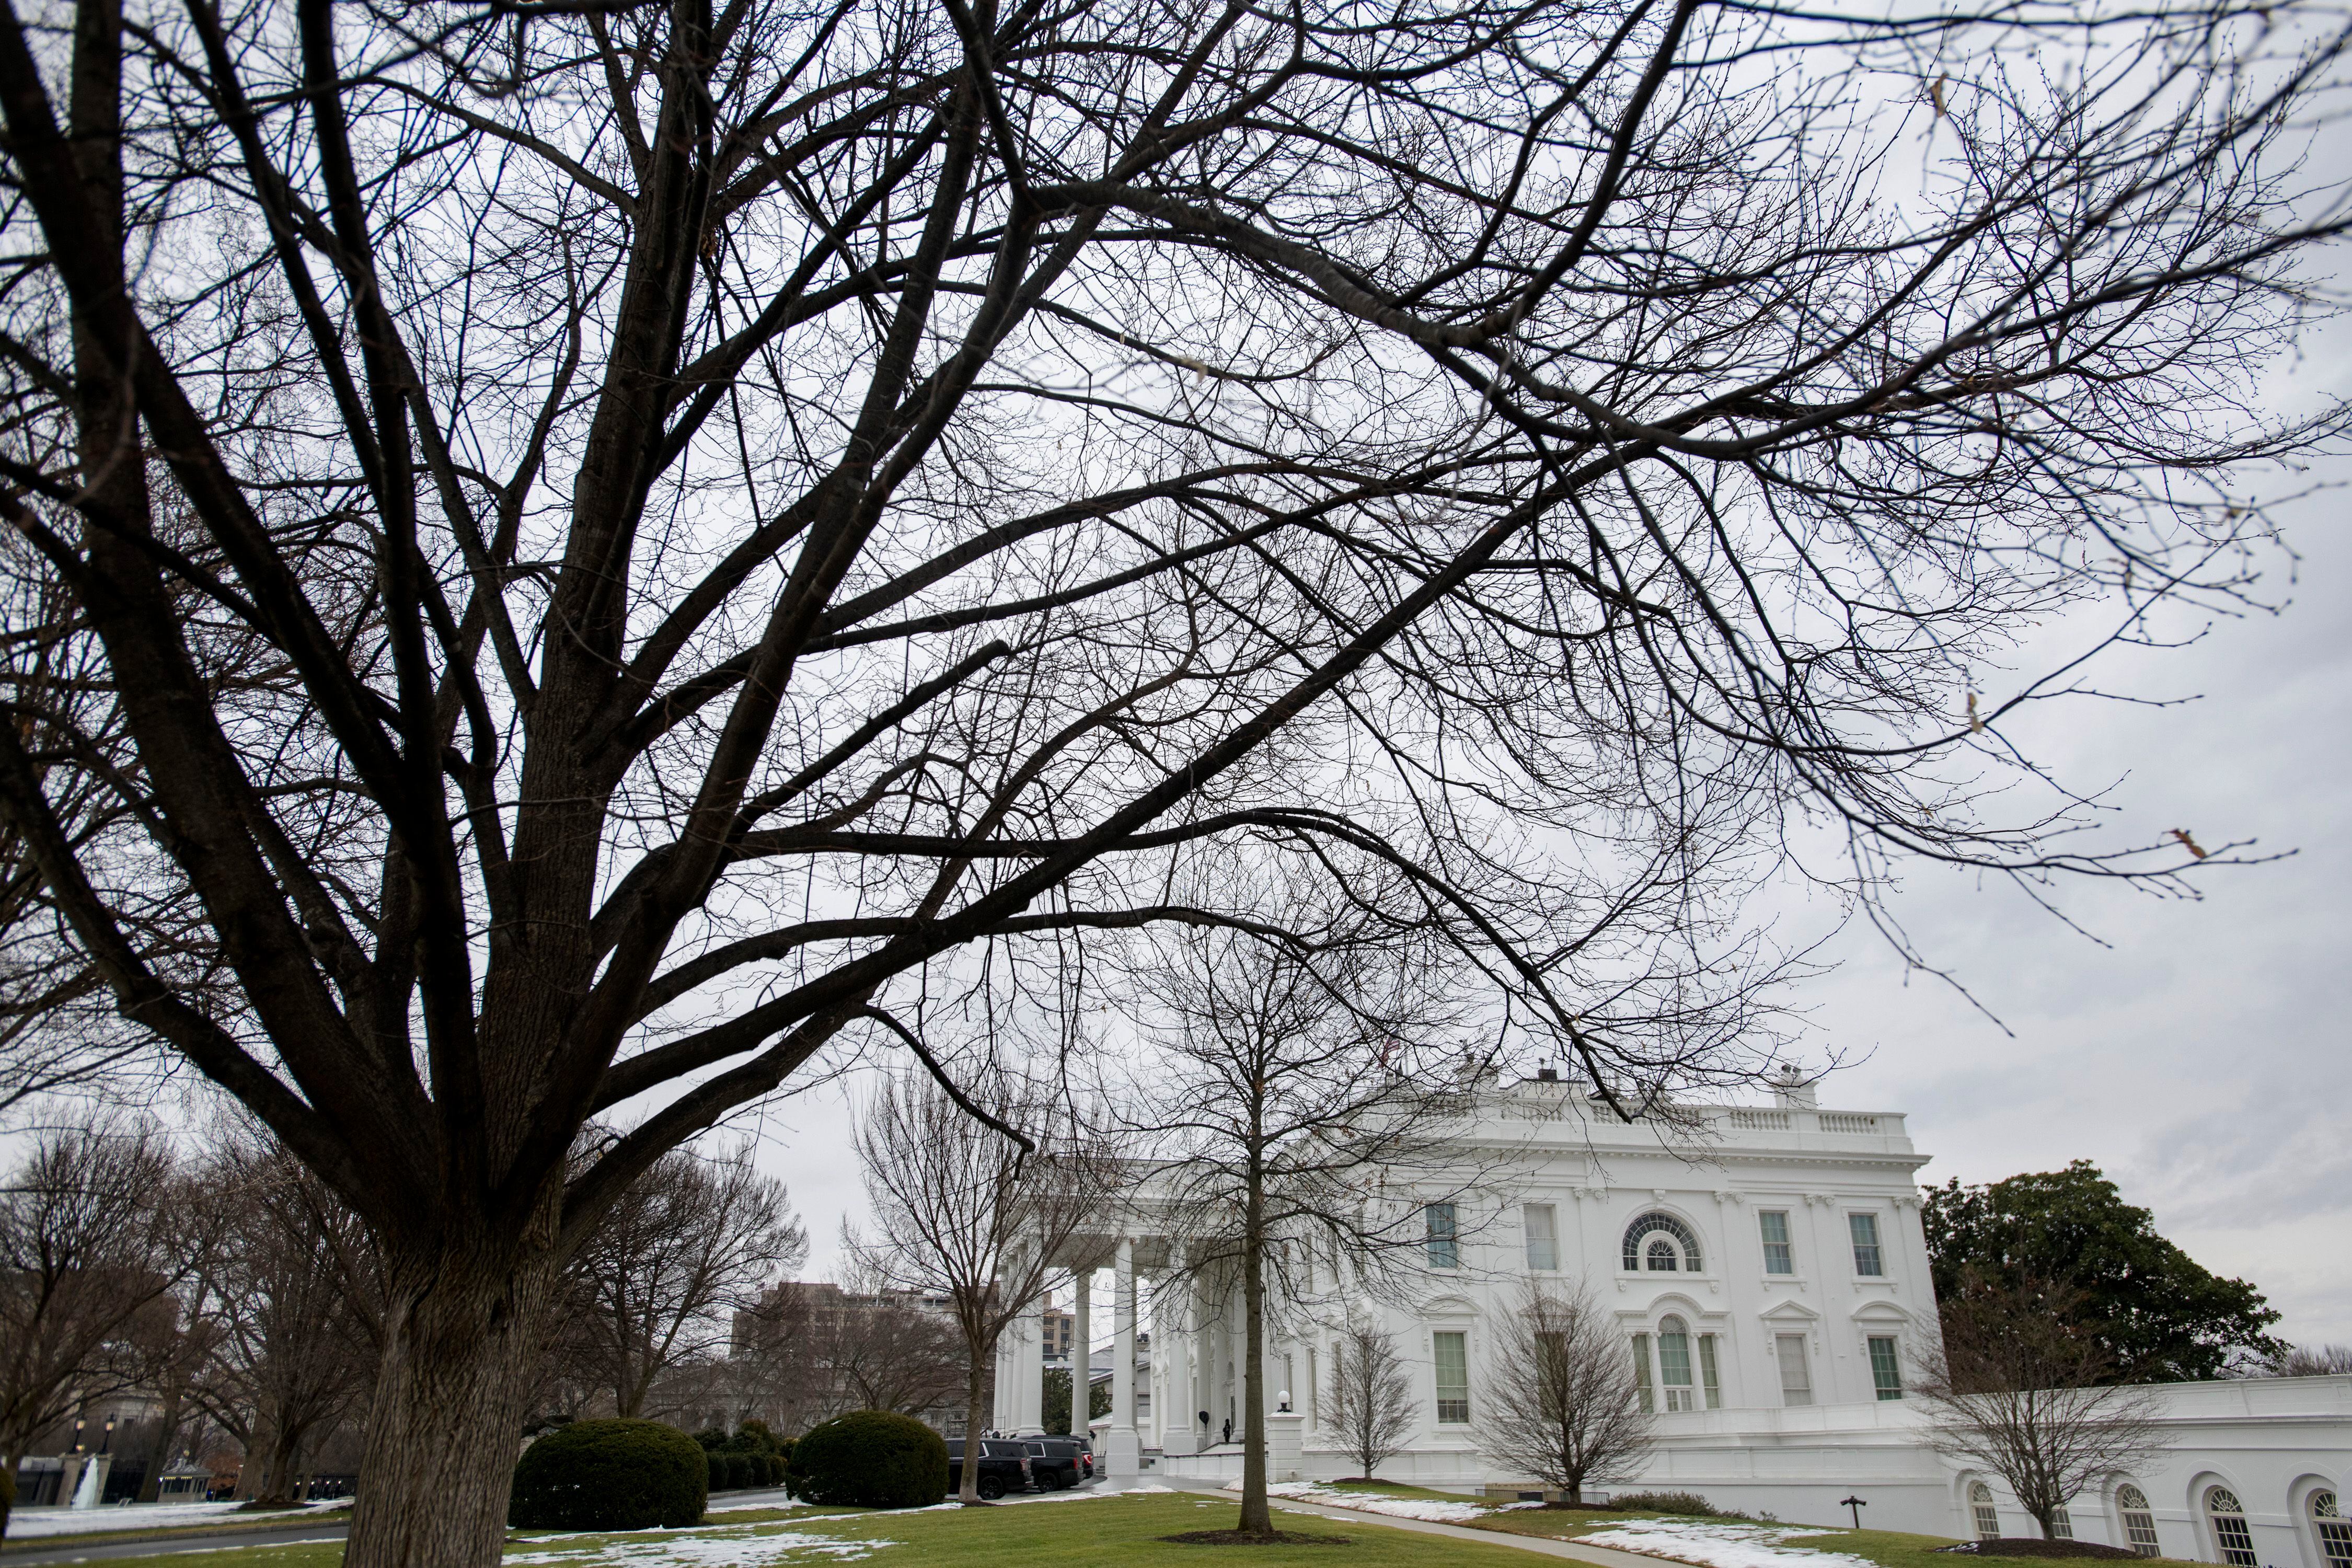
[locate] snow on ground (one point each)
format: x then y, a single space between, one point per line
1722 1545
32 1523
1432 1510
733 1546
777 1506
1081 1494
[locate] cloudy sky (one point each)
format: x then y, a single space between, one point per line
2199 1051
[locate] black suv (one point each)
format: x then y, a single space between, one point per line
1059 1463
1003 1467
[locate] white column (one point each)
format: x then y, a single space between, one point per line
1171 1345
1082 1347
1126 1456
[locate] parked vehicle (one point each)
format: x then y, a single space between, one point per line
1059 1463
1003 1467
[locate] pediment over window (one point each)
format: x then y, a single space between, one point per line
1881 1312
1790 1312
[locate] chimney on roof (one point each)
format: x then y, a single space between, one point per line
1790 1088
1547 1073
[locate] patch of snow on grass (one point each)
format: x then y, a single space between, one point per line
734 1546
32 1523
1723 1545
1430 1510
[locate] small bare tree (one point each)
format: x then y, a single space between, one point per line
1304 1061
1372 1408
1564 1401
91 1249
2020 1386
809 1352
657 1284
972 1199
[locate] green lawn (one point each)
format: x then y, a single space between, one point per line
1888 1548
1076 1533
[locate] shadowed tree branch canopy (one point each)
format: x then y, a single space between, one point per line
601 551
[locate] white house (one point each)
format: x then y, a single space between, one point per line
1769 1272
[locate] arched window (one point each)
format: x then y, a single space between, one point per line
2235 1541
1987 1518
2335 1532
1661 1243
2139 1523
1674 1362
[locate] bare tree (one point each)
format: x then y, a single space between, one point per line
93 1242
1370 1405
618 545
2301 1360
287 1342
1296 1075
658 1282
971 1201
810 1352
2019 1386
1563 1401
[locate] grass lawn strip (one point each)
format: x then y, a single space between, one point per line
1125 1531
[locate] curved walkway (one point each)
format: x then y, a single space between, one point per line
1608 1556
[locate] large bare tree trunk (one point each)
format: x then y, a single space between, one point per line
461 1338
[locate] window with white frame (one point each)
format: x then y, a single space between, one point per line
1660 1243
1543 1237
1796 1379
2062 1524
1441 1229
2139 1522
1885 1367
1641 1373
1867 1261
2230 1537
1674 1365
1452 1354
2335 1532
1707 1377
1980 1508
1779 1257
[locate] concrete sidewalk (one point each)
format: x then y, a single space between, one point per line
1608 1556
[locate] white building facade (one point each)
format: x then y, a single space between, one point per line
1769 1272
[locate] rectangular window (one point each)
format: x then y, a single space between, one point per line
1987 1521
1642 1371
1706 1373
1543 1238
1886 1370
1444 1249
2237 1543
1453 1355
1674 1369
1778 1257
1867 1261
2139 1534
2062 1524
1796 1383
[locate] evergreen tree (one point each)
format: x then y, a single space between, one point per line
2157 1313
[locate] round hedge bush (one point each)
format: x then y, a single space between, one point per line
870 1459
610 1474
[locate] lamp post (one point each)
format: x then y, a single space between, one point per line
1853 1505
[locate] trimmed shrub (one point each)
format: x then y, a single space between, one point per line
755 1438
773 1466
610 1474
870 1459
1665 1502
713 1439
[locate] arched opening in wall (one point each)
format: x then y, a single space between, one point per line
2333 1530
1658 1243
1987 1518
2139 1520
2231 1539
